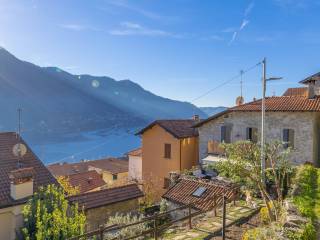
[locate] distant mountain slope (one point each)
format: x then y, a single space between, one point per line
56 102
212 110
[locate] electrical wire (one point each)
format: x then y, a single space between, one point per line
226 82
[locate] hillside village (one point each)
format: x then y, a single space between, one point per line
177 177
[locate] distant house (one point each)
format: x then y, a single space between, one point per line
20 177
87 181
293 118
168 145
100 205
135 164
114 171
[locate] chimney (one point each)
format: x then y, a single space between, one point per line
21 183
196 118
313 88
174 177
313 84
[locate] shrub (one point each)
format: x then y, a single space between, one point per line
47 215
305 190
125 219
264 215
308 232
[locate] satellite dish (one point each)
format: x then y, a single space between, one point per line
19 150
239 100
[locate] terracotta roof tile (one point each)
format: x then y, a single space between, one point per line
112 165
107 196
282 104
9 163
302 92
86 181
177 128
182 192
136 152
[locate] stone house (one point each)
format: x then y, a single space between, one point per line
100 205
20 176
114 171
293 118
167 145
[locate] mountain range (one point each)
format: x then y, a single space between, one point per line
54 101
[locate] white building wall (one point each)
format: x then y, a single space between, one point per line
135 168
303 123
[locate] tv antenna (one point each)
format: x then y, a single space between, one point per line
19 149
240 99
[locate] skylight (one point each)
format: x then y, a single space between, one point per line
199 191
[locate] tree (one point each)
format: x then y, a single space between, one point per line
243 165
67 187
48 215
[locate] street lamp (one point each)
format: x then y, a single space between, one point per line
263 111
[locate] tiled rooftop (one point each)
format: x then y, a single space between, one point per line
282 104
182 192
177 128
136 152
107 196
86 181
9 162
301 91
112 165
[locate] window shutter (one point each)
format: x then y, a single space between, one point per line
254 135
228 134
223 133
291 138
167 150
248 133
285 138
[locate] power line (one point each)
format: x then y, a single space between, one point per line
226 82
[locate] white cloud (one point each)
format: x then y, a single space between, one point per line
149 14
249 9
243 24
130 29
216 38
234 35
77 27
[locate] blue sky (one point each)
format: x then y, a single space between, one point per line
175 48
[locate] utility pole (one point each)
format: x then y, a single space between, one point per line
263 111
263 117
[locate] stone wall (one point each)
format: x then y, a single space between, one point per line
303 123
99 216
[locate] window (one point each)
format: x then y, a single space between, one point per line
252 134
167 150
226 134
166 183
288 138
114 177
199 192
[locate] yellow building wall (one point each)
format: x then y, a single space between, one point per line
189 153
108 178
10 221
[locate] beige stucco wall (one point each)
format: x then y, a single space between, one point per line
189 152
305 125
135 167
108 178
99 216
10 221
154 166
